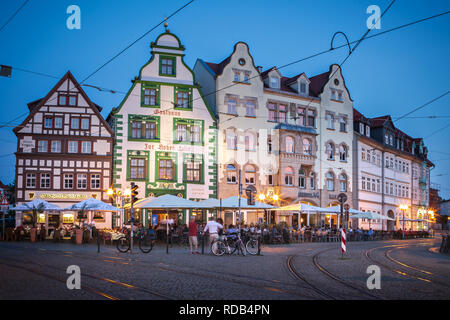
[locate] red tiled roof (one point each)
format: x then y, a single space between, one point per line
217 68
356 115
317 83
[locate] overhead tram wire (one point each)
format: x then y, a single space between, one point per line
286 65
14 14
135 41
422 106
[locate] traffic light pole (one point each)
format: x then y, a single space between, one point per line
131 233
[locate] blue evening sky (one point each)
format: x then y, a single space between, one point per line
390 74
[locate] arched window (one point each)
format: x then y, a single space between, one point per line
343 153
250 174
343 182
231 174
330 181
249 142
289 176
330 151
307 147
301 178
231 140
289 144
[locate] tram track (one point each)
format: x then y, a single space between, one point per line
420 274
84 274
266 284
338 279
298 276
52 277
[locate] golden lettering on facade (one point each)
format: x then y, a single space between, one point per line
63 196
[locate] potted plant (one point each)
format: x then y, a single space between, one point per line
79 232
35 211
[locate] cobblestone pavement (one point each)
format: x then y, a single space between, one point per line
409 270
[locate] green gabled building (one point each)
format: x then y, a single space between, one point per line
166 134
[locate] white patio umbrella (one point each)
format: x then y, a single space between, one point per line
370 215
233 203
91 204
167 201
37 204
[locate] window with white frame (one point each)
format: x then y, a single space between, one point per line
274 82
343 182
56 146
307 149
45 180
361 128
43 146
289 176
343 153
86 147
302 178
330 151
73 147
231 174
232 103
95 181
250 109
231 140
68 181
289 144
330 121
250 174
330 181
31 180
81 181
368 131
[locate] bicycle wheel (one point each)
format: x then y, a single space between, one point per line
242 247
218 248
146 244
123 244
252 246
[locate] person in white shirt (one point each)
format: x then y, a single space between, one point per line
213 228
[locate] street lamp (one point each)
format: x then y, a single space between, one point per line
403 207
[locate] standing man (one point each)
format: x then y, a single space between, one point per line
193 235
213 228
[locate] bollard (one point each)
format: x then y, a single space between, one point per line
98 242
203 243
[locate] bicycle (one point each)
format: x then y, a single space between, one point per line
253 245
146 241
228 245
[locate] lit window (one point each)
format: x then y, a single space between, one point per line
193 171
289 176
166 170
231 174
250 174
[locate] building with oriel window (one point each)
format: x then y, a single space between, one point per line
165 132
391 170
290 137
64 154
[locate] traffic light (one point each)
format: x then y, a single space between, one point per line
134 192
251 198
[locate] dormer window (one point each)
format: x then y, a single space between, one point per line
274 82
302 87
361 128
368 131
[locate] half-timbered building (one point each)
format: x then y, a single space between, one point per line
64 152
